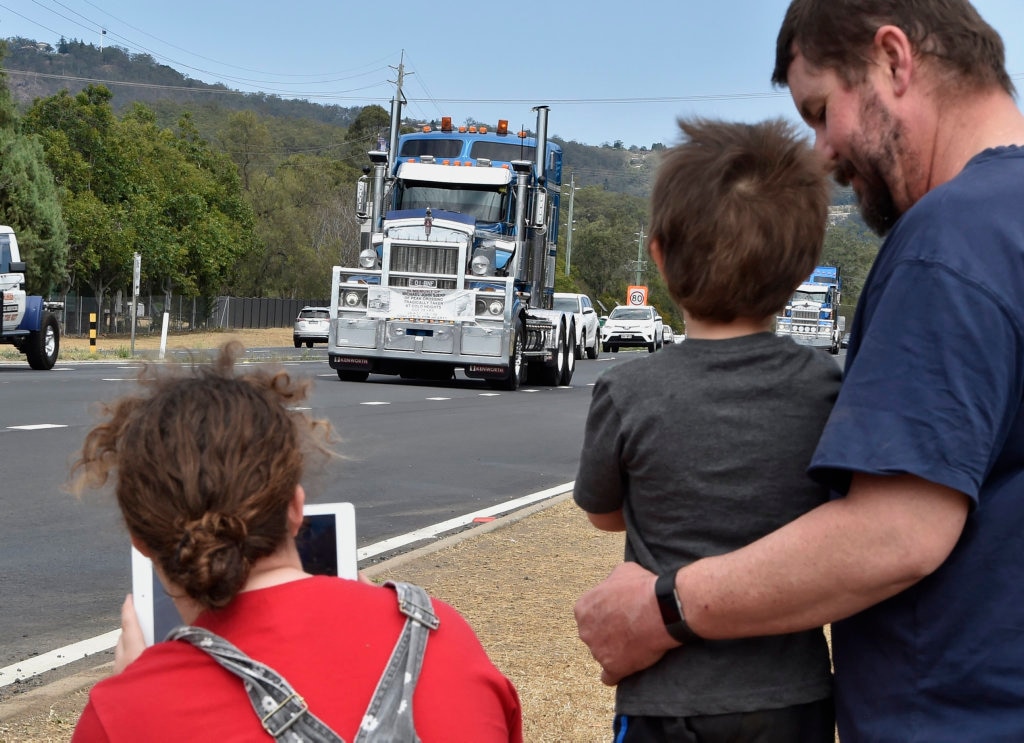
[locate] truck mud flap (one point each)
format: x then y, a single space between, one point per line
486 371
350 363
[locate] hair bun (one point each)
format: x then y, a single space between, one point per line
210 562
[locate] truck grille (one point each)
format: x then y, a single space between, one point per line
806 315
420 259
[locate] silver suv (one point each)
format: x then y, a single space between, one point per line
635 326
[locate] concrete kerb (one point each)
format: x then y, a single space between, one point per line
45 696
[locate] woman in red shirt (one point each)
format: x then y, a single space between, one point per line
207 467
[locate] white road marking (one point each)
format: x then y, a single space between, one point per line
70 653
57 658
439 398
37 426
375 403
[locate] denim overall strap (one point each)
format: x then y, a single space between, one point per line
388 717
282 712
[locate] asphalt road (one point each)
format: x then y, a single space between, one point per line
415 454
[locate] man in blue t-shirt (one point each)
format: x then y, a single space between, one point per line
919 558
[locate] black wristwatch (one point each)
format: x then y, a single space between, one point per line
672 609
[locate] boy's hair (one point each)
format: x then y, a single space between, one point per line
834 34
739 211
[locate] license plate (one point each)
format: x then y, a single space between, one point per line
424 283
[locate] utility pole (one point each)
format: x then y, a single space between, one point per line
640 255
568 239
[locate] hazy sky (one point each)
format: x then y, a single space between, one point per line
622 71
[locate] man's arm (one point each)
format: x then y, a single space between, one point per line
848 554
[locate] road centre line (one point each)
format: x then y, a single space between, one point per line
60 657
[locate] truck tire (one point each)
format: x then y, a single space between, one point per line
516 367
550 373
43 345
352 375
571 354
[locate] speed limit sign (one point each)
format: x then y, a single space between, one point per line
636 296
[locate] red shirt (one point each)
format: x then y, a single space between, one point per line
330 639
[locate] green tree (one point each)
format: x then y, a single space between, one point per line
132 186
371 123
306 226
853 248
29 201
246 140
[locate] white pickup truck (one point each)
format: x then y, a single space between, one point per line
28 322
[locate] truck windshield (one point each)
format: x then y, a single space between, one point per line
805 296
484 204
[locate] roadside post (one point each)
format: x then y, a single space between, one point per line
136 273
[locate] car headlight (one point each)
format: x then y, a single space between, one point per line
480 265
368 258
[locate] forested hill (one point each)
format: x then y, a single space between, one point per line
38 70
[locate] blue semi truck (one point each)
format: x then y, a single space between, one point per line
811 317
456 265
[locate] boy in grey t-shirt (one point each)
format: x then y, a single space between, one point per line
703 448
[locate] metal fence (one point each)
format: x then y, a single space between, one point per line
184 313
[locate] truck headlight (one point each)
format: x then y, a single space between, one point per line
493 307
368 258
354 299
480 265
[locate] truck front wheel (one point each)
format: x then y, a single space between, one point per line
43 345
516 364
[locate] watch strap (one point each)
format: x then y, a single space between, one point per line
672 609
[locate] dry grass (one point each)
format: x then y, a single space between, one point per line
516 585
79 347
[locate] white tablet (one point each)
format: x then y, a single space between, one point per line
326 542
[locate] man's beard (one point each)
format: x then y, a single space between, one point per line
881 164
877 206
